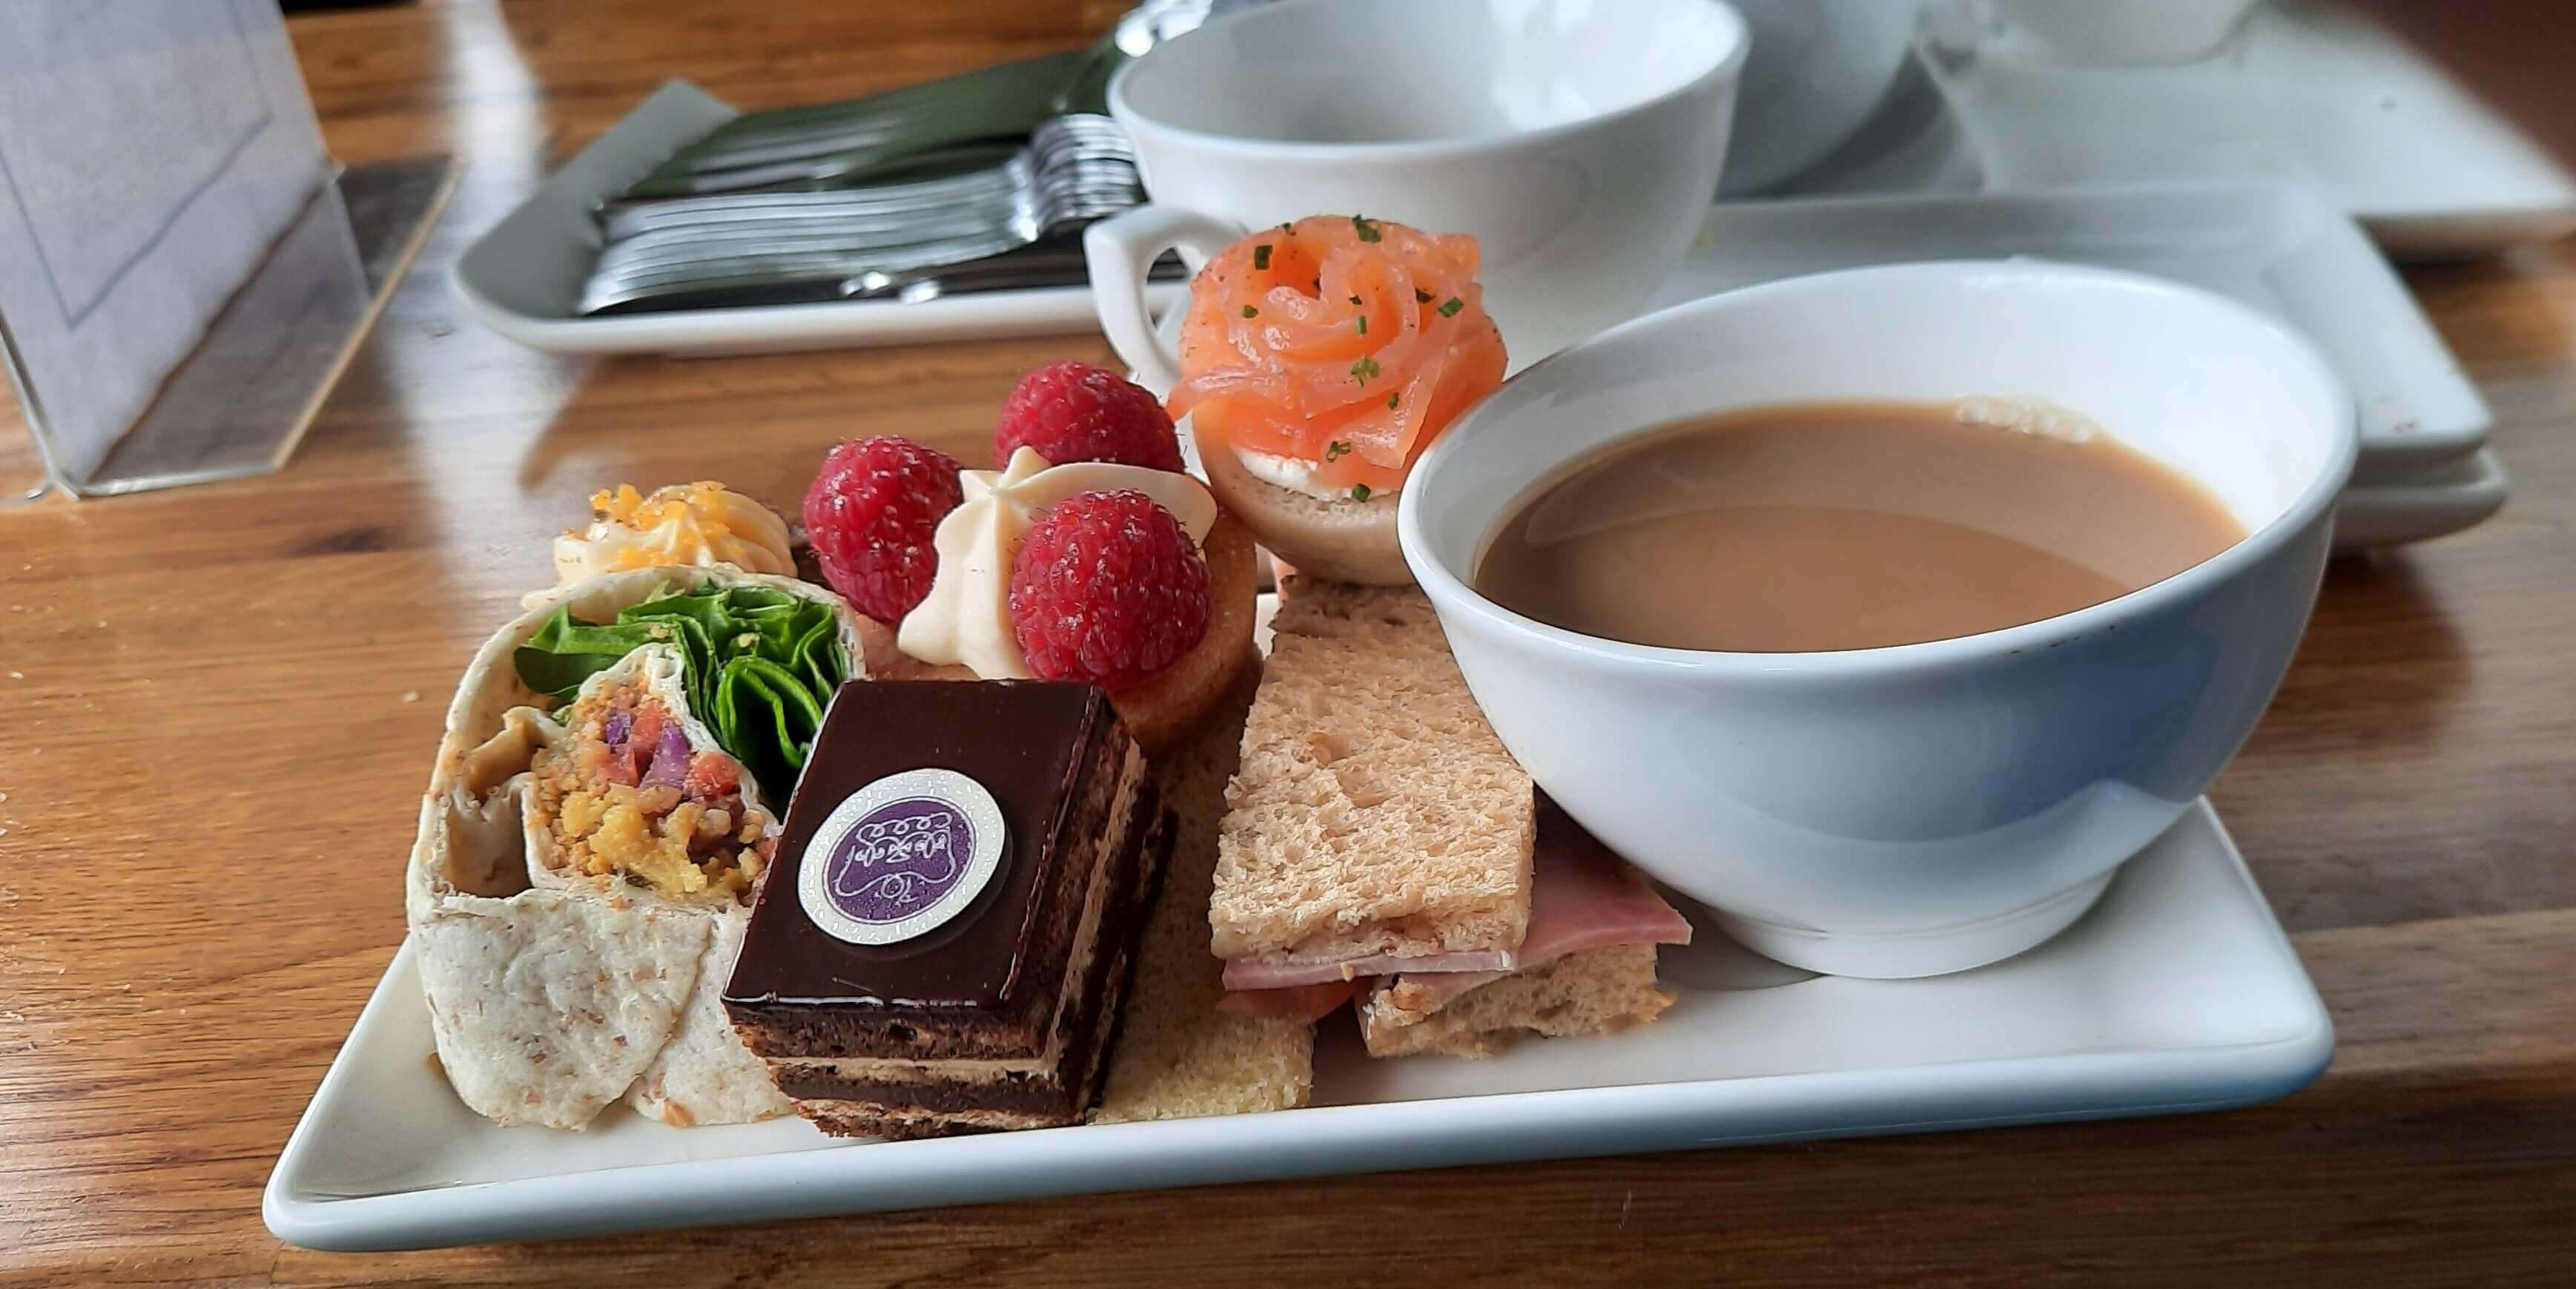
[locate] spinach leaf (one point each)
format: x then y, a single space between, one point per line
767 713
760 666
567 651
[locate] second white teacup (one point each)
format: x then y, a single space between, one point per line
1579 142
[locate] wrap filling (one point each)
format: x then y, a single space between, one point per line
623 794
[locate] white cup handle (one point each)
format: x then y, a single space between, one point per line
1118 252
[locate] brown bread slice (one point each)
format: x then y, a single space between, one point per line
1374 812
1593 991
1178 1057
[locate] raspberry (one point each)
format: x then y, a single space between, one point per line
871 513
1077 412
1107 588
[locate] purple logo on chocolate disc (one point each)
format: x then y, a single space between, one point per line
901 856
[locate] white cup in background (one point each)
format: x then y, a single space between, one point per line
1818 70
1928 807
1578 140
2125 33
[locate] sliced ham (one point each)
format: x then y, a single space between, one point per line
1309 1003
1251 973
1581 897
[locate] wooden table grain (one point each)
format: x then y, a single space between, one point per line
219 704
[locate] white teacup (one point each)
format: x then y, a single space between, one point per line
1579 142
1930 807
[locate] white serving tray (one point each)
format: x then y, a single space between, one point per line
2456 496
523 278
2278 248
2307 91
2177 993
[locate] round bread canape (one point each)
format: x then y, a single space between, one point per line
1337 541
1162 712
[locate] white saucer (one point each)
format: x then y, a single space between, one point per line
2177 992
2459 495
2275 247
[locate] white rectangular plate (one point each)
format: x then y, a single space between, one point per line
2177 992
2275 247
523 278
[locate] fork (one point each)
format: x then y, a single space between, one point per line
869 241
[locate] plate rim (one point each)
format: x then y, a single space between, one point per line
1320 1140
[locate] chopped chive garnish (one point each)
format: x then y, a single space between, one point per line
1359 492
1250 312
1367 228
1391 401
1362 370
1449 308
1363 324
1336 450
1421 296
1261 256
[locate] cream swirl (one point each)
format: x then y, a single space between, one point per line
966 618
688 524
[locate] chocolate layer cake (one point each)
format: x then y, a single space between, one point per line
943 938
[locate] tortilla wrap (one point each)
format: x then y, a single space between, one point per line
552 994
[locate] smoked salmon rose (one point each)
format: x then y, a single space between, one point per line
1318 360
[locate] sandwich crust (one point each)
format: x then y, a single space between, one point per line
1375 811
1178 1056
1592 991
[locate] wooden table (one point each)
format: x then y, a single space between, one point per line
221 701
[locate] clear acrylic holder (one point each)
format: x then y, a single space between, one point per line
241 400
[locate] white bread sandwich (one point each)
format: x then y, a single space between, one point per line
1380 841
1587 965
